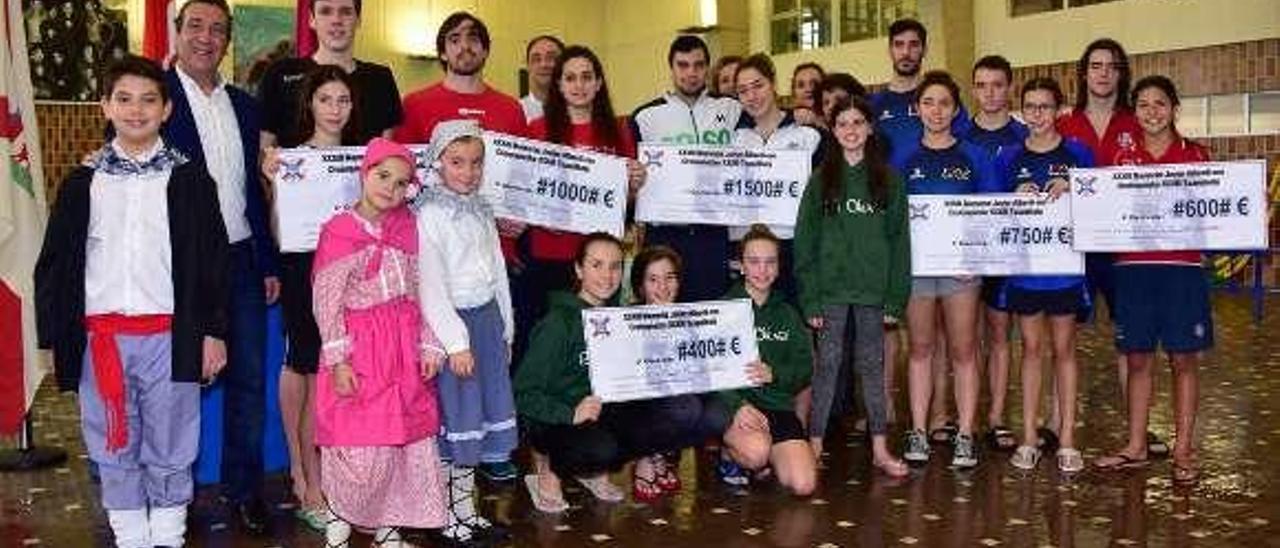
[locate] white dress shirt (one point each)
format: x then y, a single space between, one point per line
128 259
532 107
223 152
460 266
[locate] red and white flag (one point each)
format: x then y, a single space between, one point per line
23 215
159 30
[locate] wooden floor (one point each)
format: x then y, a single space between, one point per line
1236 503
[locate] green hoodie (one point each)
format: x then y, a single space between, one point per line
553 378
858 254
786 345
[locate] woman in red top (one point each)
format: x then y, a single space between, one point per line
1162 300
577 113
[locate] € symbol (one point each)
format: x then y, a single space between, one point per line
918 211
653 158
1064 235
599 327
292 169
1242 206
795 189
1085 186
608 199
733 345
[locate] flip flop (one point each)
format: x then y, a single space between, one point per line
542 502
893 468
1119 461
1185 473
601 489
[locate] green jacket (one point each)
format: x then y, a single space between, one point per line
786 345
858 254
553 378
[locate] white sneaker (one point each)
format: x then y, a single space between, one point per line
130 527
1025 457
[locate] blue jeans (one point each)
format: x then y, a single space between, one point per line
244 405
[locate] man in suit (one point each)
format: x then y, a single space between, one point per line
218 124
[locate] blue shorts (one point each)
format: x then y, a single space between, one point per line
992 289
1068 301
1162 305
1099 270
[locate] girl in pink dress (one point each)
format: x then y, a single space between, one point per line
376 410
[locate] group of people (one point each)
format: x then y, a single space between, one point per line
405 324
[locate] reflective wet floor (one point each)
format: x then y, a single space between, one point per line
1235 503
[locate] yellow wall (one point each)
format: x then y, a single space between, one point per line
1141 25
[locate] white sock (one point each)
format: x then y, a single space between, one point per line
387 537
468 514
337 533
461 510
130 528
168 525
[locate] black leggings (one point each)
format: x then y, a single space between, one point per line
626 431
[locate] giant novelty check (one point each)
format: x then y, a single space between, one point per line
721 185
645 352
991 235
1209 205
554 186
314 183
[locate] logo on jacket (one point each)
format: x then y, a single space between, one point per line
916 173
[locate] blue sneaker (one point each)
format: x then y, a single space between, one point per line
499 471
732 474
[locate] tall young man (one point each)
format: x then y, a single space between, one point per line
688 114
335 23
463 43
993 130
1104 121
896 116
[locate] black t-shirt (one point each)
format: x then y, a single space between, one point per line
376 94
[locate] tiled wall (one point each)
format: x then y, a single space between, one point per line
68 131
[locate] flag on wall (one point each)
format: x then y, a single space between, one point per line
23 215
304 37
159 33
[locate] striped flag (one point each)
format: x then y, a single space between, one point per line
23 215
304 37
159 33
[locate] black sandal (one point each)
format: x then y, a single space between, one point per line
1047 440
1000 438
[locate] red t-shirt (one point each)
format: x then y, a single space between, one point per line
496 111
554 245
1181 151
1118 145
425 108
